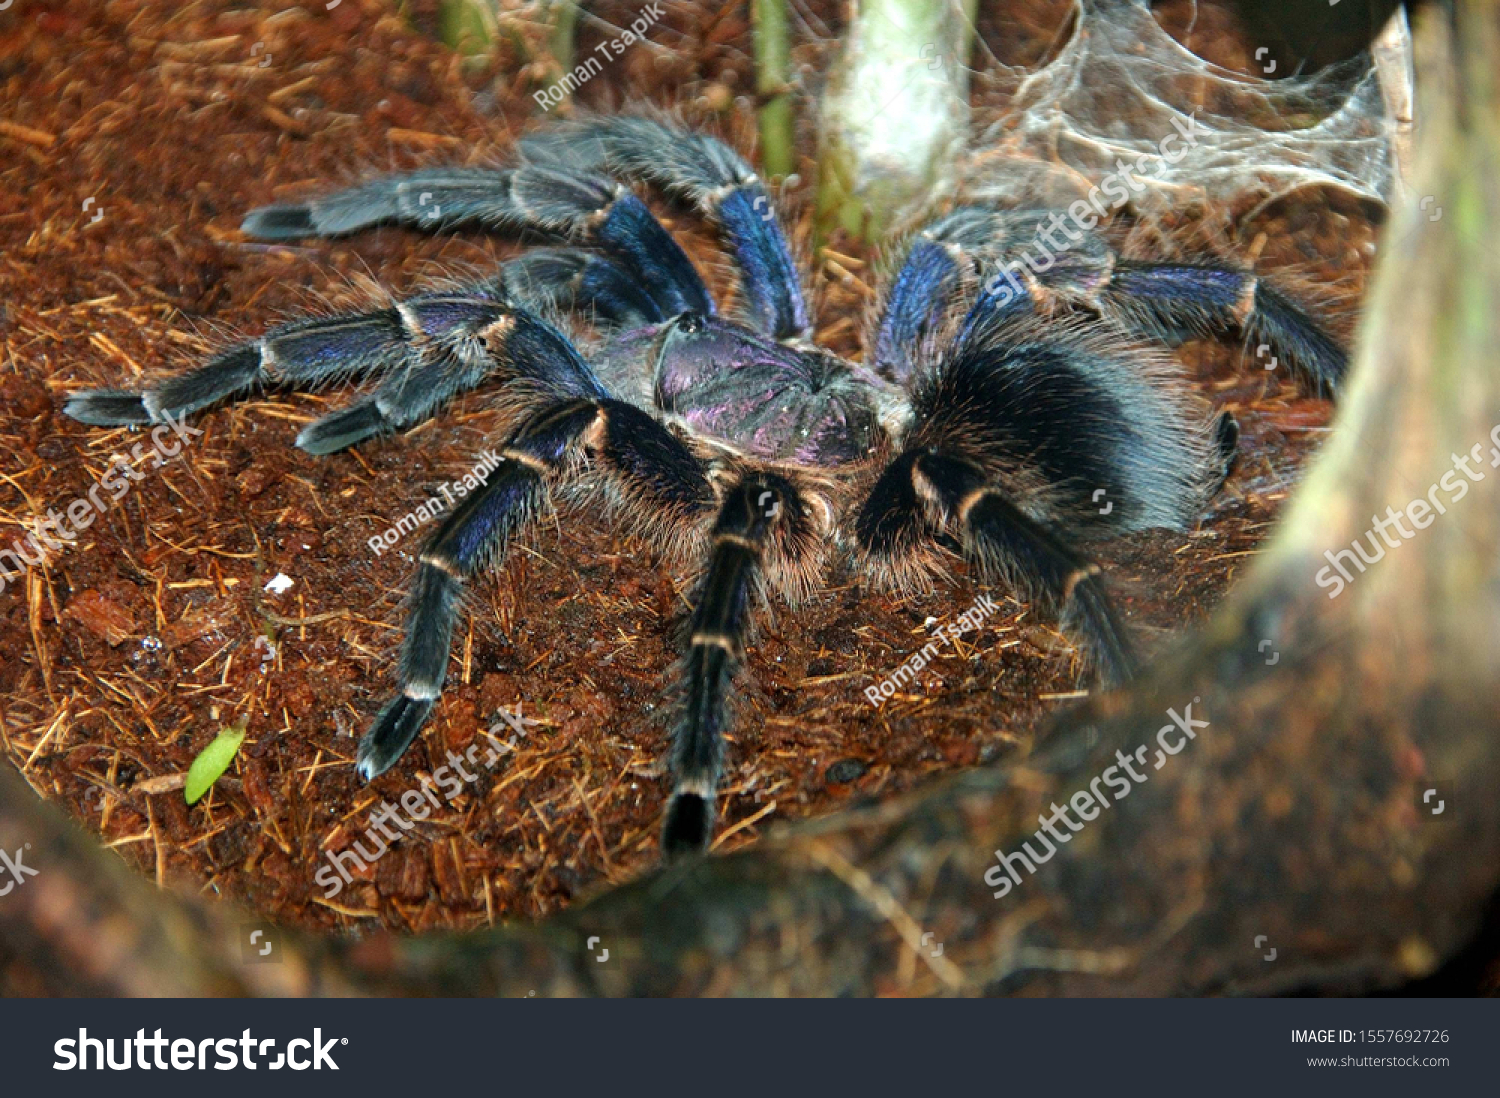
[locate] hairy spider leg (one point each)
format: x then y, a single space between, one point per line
1165 301
304 352
751 510
915 307
923 290
475 533
431 198
1010 547
1031 558
1018 433
455 342
1206 299
640 457
588 282
429 347
996 302
714 178
588 208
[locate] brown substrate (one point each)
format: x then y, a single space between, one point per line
128 651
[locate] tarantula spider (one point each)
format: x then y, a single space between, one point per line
977 428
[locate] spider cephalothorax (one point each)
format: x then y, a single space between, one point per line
978 427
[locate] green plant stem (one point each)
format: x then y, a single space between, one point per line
773 67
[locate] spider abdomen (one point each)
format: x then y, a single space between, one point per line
1078 432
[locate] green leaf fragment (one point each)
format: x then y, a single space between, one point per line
213 761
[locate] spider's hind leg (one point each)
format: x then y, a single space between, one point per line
1175 297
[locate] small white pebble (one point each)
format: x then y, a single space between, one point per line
280 583
929 623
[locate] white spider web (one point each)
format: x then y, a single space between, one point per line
1114 89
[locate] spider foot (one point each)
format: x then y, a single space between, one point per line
107 408
689 825
235 371
390 735
342 429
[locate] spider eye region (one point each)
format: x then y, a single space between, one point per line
772 400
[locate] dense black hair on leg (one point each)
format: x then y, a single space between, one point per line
641 457
1027 442
750 510
1030 557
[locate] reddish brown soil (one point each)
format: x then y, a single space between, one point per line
129 650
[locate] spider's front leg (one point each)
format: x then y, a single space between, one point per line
650 467
923 493
764 532
1017 432
764 529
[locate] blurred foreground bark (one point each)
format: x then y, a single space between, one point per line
1294 821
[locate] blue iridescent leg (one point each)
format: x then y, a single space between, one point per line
924 288
587 282
428 348
1208 299
645 463
585 207
706 172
